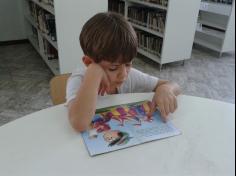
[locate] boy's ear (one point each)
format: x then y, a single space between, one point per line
87 60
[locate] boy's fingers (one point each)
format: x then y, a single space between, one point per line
152 109
100 93
106 81
102 90
172 107
166 108
99 90
176 104
163 113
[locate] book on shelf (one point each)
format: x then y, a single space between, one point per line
51 26
35 35
149 42
49 51
122 126
44 20
116 6
150 18
158 2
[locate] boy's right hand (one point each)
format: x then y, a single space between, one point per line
104 79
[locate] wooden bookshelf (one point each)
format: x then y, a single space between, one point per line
176 38
216 26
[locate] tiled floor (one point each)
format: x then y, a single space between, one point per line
24 78
24 82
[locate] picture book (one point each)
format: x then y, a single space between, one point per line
123 126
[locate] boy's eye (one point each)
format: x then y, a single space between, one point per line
113 69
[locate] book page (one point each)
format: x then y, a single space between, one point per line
123 126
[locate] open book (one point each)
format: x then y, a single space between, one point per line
123 126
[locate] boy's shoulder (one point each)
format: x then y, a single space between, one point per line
136 73
78 72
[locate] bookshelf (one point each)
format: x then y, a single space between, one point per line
216 26
161 26
41 31
53 28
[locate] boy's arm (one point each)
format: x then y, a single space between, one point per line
165 98
172 86
82 108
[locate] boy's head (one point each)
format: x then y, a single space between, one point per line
109 37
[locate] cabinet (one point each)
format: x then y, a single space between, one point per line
216 26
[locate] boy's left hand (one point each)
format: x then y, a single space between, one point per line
164 100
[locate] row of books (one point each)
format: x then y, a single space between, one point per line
159 2
149 42
35 35
48 2
220 1
45 21
49 51
150 18
116 6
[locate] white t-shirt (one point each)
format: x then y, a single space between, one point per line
137 82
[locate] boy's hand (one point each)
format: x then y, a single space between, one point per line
105 82
105 85
164 100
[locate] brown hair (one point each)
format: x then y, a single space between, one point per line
109 36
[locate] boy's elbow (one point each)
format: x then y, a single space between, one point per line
77 124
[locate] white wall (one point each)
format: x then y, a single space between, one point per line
70 18
180 30
11 20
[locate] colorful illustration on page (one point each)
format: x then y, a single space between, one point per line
122 114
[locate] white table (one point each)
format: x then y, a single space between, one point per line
44 144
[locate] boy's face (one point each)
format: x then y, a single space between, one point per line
116 72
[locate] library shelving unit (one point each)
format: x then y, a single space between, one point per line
53 28
37 30
165 28
216 26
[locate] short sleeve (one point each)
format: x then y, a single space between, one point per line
139 82
73 85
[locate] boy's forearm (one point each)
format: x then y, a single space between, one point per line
83 108
174 87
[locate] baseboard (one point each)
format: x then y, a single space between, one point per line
13 42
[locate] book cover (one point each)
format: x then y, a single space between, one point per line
122 126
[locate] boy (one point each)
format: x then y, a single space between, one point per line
109 44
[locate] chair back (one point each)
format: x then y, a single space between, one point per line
58 88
